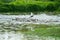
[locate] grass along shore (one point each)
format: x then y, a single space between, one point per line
28 13
31 6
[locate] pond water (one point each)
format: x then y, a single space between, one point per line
36 19
10 36
6 34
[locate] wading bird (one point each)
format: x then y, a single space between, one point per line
31 15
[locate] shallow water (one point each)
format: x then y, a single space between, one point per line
36 19
10 36
8 25
20 36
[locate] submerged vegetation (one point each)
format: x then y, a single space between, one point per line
38 29
33 29
45 30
